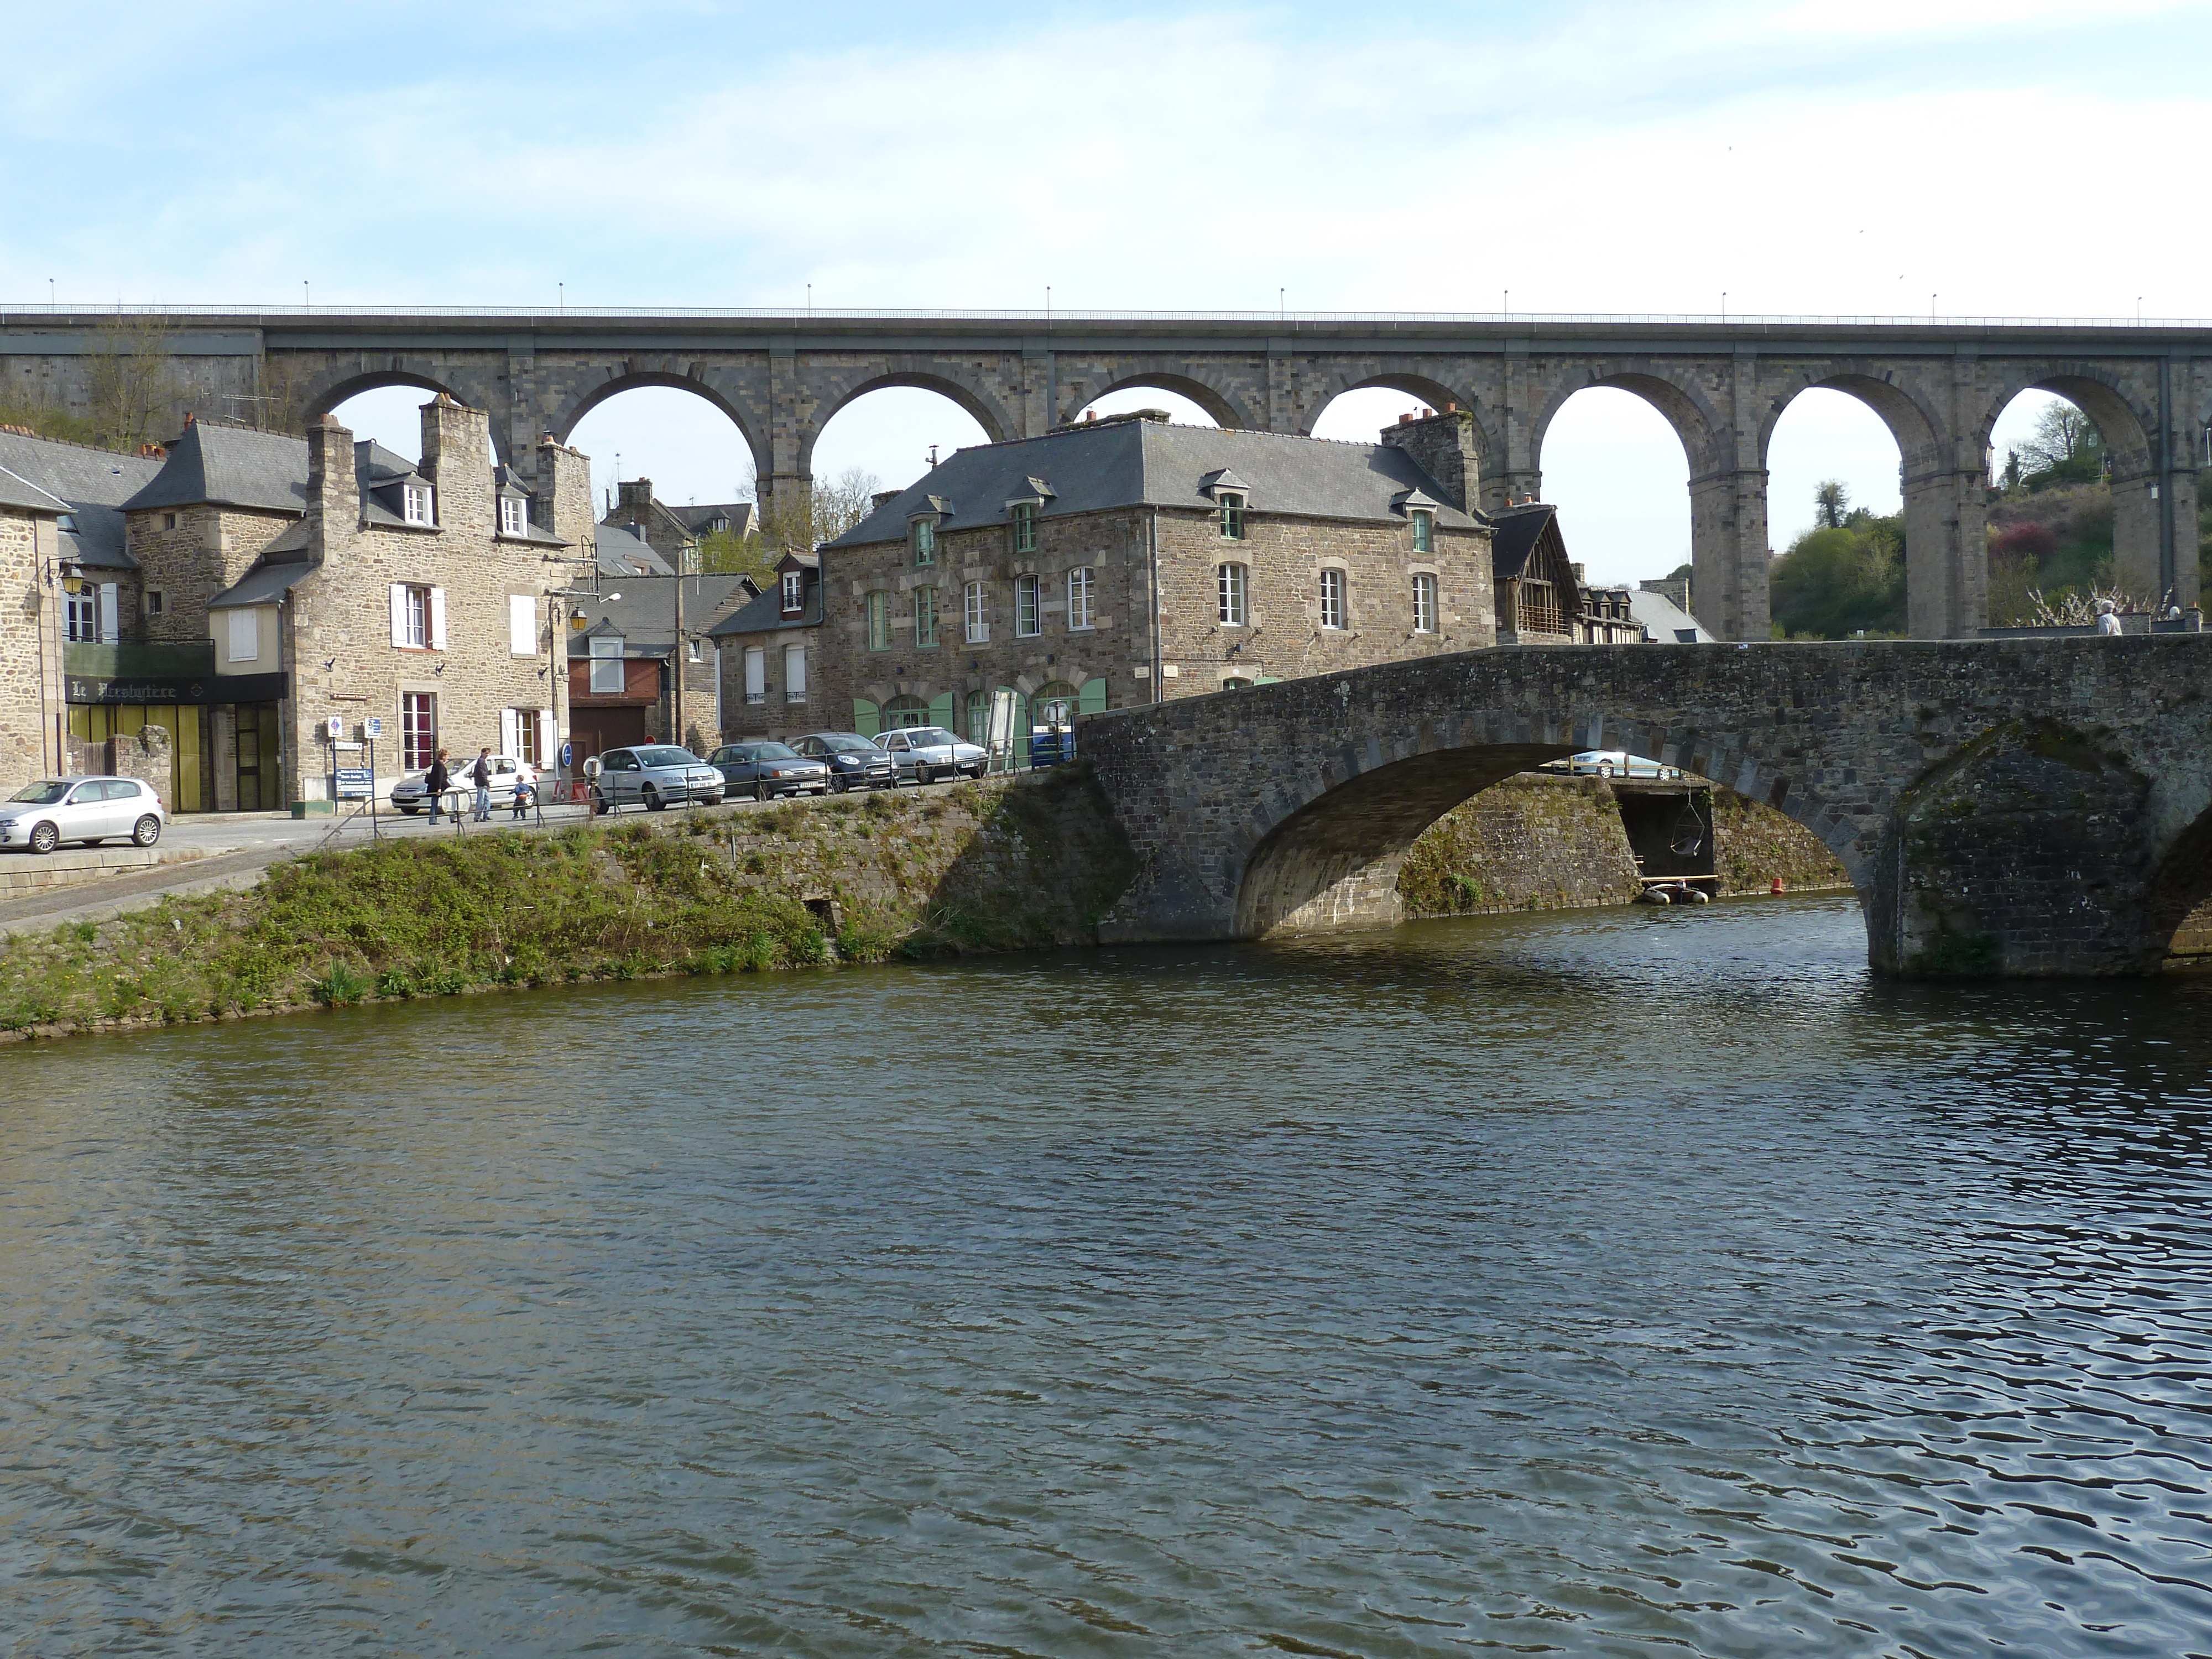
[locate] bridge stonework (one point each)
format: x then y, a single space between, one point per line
2028 807
1722 387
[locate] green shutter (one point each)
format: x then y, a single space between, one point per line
867 719
1021 727
1268 679
942 709
1091 698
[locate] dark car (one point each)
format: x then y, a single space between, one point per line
854 761
769 770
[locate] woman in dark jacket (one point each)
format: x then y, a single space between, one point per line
437 783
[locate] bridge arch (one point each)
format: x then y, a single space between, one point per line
1918 427
1220 403
2121 418
1682 403
1427 389
325 396
633 380
970 395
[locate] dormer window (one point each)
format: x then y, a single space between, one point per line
1232 516
1424 531
416 505
1024 527
794 592
514 515
921 536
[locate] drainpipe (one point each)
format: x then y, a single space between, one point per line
1152 556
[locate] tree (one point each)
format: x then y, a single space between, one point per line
1831 504
2065 447
131 382
1833 583
837 504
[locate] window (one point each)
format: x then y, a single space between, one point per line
922 532
417 498
82 621
245 635
1080 584
1024 527
1234 683
418 729
514 515
529 743
756 673
1332 598
925 616
521 625
692 649
1230 579
1424 605
879 622
1025 606
418 618
904 712
979 717
975 609
607 679
1232 516
794 592
155 602
1424 532
794 673
168 521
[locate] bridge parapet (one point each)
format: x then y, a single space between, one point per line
2018 806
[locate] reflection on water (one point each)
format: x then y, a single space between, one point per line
1608 1284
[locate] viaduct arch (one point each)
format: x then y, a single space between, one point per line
780 377
2021 806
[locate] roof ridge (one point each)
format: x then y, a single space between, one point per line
14 431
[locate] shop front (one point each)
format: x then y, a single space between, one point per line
221 728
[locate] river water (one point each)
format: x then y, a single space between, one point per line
1622 1282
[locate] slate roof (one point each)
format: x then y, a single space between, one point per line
1665 621
95 482
264 583
645 615
620 551
224 466
1514 531
1140 463
742 515
21 492
764 613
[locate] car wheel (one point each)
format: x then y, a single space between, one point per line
713 800
761 791
45 838
147 830
837 786
1605 769
651 797
921 775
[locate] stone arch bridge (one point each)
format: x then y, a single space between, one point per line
2014 807
1722 386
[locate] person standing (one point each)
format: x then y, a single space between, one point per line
2108 621
480 776
438 781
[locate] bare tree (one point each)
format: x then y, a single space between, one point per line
131 379
2064 437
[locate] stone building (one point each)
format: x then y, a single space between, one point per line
675 532
428 598
31 718
766 653
1125 560
642 669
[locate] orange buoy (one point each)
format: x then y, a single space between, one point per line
1778 886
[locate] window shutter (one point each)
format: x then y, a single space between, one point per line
521 625
1021 730
756 671
510 731
794 673
437 619
398 613
111 628
245 635
941 709
549 739
1091 698
867 719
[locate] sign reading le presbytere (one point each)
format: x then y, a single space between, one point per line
217 687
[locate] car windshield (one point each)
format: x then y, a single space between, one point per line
667 757
773 751
929 737
846 746
43 794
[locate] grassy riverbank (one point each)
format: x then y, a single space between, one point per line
996 866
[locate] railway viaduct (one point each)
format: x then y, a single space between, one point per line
2018 806
1722 386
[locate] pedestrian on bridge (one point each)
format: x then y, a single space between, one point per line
2108 620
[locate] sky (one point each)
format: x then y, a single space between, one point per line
1805 157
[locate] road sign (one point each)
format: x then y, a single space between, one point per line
336 727
567 754
371 728
353 782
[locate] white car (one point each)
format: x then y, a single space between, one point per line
41 816
1611 764
408 795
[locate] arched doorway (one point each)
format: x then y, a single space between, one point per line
904 712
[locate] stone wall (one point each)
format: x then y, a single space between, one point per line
144 754
1755 846
189 562
1532 842
30 649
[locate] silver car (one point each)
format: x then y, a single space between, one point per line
411 794
41 816
924 753
653 774
1611 762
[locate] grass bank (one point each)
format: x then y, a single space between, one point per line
1004 865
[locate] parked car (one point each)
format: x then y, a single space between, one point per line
411 794
854 761
653 775
1611 764
43 815
925 753
769 770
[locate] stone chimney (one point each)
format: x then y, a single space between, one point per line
333 488
456 460
1443 447
884 497
562 505
633 501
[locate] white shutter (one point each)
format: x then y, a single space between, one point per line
510 731
794 673
245 635
549 739
521 625
400 613
437 619
111 629
755 674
